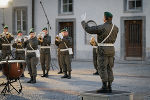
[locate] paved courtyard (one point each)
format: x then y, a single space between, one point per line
128 77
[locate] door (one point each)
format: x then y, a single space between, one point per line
133 38
70 28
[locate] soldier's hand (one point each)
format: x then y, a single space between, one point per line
41 40
83 17
19 43
8 36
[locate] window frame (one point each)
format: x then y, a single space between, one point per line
126 7
22 20
60 5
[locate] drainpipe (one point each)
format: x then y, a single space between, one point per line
33 6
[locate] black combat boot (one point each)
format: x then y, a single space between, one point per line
43 73
34 80
109 87
96 73
69 75
46 75
104 88
30 80
60 72
65 75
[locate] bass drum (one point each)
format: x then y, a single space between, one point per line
13 69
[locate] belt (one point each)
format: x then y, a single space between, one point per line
94 46
63 49
6 44
30 51
20 49
105 44
45 47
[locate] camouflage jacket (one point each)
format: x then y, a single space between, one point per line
46 42
61 44
4 40
102 32
34 44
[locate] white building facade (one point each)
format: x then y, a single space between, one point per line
131 16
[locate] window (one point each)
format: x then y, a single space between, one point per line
133 5
66 6
21 19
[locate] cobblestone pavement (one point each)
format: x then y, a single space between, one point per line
128 77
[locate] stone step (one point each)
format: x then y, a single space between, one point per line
115 95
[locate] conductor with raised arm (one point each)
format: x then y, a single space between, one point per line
106 37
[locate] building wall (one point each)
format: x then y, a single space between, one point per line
9 13
94 10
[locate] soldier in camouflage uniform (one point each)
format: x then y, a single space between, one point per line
20 51
31 59
94 45
6 39
64 43
45 56
106 36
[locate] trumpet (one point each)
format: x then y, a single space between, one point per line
1 35
26 38
41 36
59 37
93 41
18 40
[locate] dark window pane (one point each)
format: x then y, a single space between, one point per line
24 14
70 1
24 25
18 22
65 1
131 4
70 7
18 27
138 3
64 8
18 15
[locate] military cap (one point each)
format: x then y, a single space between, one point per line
45 28
64 30
5 26
19 31
108 14
32 30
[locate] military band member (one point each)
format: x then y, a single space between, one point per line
31 45
94 45
45 56
64 43
6 39
20 51
106 37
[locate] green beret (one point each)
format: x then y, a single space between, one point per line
108 14
19 31
5 26
45 28
32 30
64 30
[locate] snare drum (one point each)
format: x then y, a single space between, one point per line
12 69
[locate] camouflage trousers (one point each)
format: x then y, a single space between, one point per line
45 59
31 64
65 62
105 66
95 58
59 62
